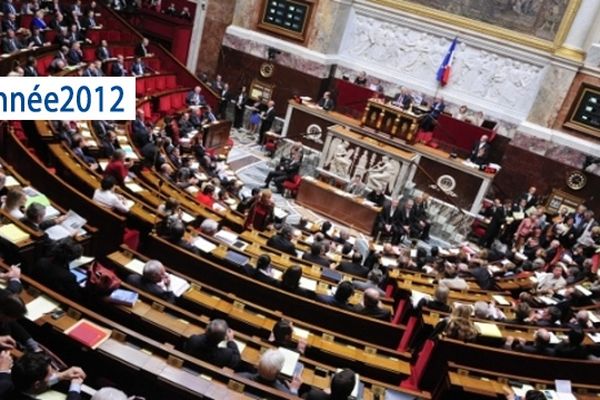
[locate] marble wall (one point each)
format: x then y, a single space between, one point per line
219 15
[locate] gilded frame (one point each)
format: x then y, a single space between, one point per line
571 122
290 34
554 46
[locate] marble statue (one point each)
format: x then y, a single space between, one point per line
341 159
383 174
361 166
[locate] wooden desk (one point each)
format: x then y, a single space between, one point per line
330 202
395 121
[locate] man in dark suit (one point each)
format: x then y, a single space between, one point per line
75 55
371 306
57 22
10 44
35 219
10 23
33 374
354 267
9 8
138 68
195 98
343 292
481 151
89 21
403 99
342 385
268 372
102 52
268 117
541 344
36 39
421 224
316 255
206 346
224 101
386 223
262 273
240 107
31 67
282 241
141 50
530 197
495 225
326 102
154 280
118 67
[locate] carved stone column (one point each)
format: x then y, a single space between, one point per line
573 47
219 15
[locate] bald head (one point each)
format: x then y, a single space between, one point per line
371 297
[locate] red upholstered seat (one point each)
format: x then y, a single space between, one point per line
399 313
170 81
50 36
128 51
112 36
26 20
408 334
164 104
417 370
293 184
150 84
160 82
89 53
94 36
140 87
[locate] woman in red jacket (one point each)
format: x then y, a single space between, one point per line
260 215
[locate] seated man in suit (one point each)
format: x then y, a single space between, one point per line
316 255
118 67
281 336
138 68
195 98
75 55
206 346
354 267
439 301
263 271
268 370
35 218
33 374
282 241
344 291
481 151
326 102
341 387
102 52
11 44
154 280
356 186
371 306
403 99
386 223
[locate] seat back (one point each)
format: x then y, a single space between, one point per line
417 370
408 334
399 313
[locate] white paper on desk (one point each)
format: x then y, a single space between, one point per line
51 395
299 254
136 266
204 245
178 285
241 345
583 290
73 221
521 391
103 164
593 317
500 300
10 181
595 337
128 204
388 262
218 208
40 306
563 386
226 236
301 333
553 338
80 261
276 273
187 218
291 359
279 213
192 189
134 187
378 247
308 284
57 232
416 297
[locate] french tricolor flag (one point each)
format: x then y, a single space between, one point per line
443 73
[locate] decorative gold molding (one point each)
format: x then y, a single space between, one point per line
570 53
489 29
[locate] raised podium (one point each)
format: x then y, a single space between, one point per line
395 121
216 136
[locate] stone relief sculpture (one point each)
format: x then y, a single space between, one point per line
339 158
383 174
497 79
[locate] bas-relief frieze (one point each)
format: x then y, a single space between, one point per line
499 80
